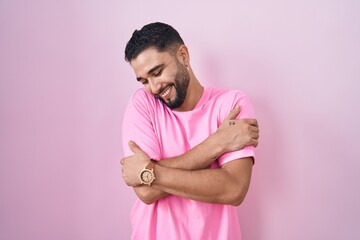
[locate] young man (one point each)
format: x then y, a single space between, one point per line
189 149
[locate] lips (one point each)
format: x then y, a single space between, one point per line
165 94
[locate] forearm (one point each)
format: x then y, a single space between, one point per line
221 185
226 139
199 157
229 137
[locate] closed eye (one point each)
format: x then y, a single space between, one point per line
144 81
158 73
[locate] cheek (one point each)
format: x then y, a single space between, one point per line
168 76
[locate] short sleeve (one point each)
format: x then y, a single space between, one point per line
247 111
138 125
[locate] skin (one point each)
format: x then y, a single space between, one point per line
188 175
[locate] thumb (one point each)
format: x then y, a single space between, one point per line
233 113
134 147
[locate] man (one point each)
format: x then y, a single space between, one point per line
189 155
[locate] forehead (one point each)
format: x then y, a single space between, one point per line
149 58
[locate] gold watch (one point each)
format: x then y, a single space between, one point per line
147 175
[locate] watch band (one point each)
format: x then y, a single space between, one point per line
150 165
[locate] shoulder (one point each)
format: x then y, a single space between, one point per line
227 96
225 100
141 95
144 103
141 98
141 102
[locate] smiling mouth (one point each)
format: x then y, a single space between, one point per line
165 94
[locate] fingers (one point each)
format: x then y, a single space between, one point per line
233 113
251 121
134 147
254 129
254 142
254 135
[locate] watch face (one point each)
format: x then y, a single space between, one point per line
146 176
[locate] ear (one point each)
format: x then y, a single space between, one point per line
183 55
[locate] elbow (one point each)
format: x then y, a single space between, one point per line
147 202
237 201
146 198
149 195
237 196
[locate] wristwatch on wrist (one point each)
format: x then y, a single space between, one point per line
147 175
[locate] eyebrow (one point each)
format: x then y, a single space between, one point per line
152 70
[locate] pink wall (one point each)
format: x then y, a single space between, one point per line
64 86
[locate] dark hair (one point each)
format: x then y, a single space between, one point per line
161 36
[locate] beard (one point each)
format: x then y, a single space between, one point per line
181 84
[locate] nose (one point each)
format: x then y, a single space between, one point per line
155 86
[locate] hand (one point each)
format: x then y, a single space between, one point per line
235 134
133 165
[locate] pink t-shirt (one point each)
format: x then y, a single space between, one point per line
163 133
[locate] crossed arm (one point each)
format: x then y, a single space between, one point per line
188 175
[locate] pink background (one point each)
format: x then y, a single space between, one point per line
64 86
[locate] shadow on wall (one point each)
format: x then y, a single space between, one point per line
252 77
